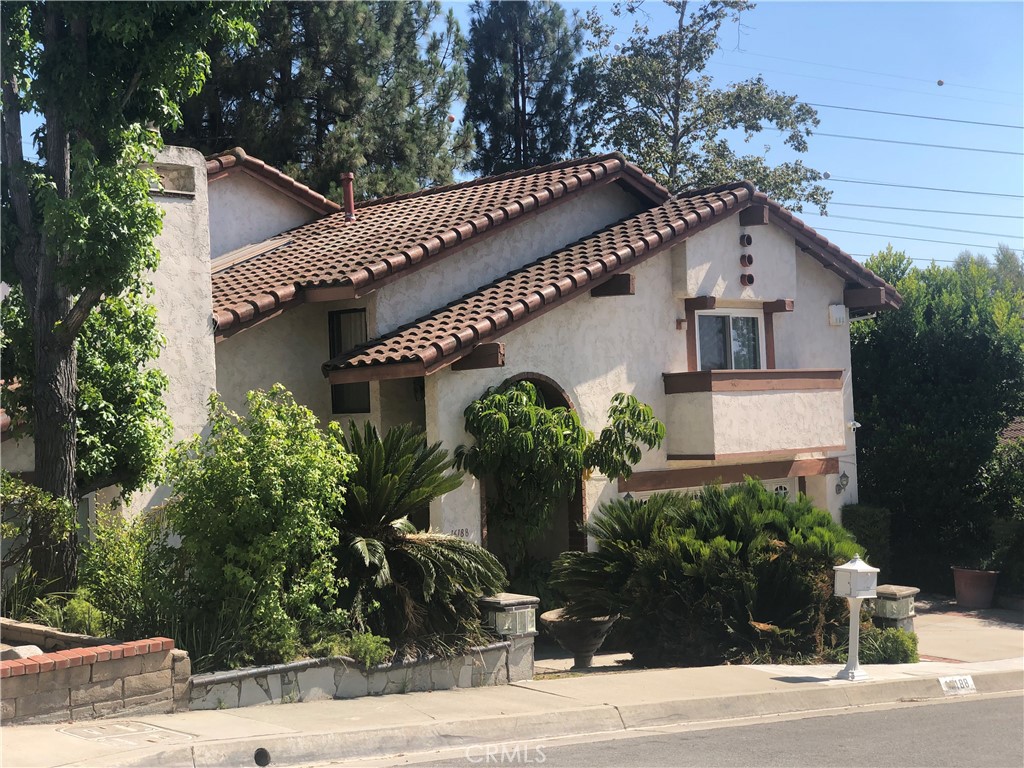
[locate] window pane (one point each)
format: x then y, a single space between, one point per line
348 331
746 343
714 341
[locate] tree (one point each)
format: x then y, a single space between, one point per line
656 105
79 222
334 87
934 384
521 64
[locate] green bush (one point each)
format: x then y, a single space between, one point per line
37 530
724 574
419 589
1002 484
368 649
870 527
257 504
880 646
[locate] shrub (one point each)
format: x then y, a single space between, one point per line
1002 494
419 589
257 505
720 575
369 649
37 529
880 646
870 527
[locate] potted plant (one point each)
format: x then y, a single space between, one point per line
581 637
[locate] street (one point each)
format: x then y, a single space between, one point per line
982 732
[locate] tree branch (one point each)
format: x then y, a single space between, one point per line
21 200
72 324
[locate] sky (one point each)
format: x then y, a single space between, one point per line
889 57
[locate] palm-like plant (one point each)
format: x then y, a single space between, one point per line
417 588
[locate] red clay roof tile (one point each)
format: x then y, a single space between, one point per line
440 338
233 160
391 234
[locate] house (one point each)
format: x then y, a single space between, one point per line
719 308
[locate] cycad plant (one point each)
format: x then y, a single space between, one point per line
417 588
725 573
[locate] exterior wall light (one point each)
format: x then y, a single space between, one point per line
855 580
841 485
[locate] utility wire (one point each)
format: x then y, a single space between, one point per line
919 117
880 74
912 258
930 189
925 226
905 237
928 210
920 144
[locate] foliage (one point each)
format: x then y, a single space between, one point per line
419 589
332 87
79 221
521 66
369 649
655 103
1002 494
870 526
723 574
256 505
122 420
532 456
881 646
934 385
25 507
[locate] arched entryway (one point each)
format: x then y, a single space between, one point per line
565 529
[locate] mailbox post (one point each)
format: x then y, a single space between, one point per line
855 580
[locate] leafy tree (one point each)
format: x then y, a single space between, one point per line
531 456
79 223
934 384
521 65
332 87
656 105
417 588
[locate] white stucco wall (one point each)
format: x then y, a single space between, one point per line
18 455
478 264
244 210
594 348
183 299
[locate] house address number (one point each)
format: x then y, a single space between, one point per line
462 532
958 685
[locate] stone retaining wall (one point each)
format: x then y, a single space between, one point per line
89 682
340 677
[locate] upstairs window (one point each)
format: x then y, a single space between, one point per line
729 341
347 330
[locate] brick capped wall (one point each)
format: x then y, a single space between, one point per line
95 681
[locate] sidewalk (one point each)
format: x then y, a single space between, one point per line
987 645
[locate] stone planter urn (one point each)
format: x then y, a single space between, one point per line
974 588
580 637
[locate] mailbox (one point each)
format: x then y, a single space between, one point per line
856 579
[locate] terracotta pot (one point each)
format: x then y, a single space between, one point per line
974 589
580 637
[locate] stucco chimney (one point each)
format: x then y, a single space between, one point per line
348 195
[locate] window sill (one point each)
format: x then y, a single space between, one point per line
758 380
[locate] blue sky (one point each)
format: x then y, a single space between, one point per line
888 56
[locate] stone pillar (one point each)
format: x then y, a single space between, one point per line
513 618
894 607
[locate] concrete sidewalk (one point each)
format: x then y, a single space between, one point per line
987 645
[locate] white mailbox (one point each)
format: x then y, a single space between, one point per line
856 579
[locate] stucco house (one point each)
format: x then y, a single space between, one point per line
719 308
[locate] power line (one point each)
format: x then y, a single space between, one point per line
925 226
928 210
912 258
880 74
930 189
906 237
919 117
920 144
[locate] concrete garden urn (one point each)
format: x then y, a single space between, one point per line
974 588
580 637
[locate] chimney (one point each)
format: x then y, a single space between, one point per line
348 195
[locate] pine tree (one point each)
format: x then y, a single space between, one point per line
663 111
521 64
333 87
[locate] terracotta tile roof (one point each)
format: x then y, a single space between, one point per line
235 160
394 234
1014 431
447 334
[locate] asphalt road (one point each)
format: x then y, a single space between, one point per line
980 733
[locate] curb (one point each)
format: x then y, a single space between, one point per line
305 749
